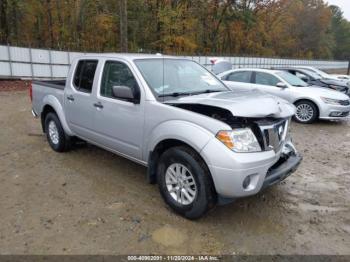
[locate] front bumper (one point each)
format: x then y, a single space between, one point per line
334 111
282 170
229 170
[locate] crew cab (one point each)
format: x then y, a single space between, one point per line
202 143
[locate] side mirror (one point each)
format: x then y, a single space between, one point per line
124 92
281 85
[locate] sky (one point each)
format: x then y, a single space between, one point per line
343 4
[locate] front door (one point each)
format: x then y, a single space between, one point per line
268 83
119 123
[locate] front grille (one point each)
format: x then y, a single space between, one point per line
274 135
345 102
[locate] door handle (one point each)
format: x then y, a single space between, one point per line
98 105
70 98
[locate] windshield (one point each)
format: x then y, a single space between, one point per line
311 73
317 72
174 77
291 79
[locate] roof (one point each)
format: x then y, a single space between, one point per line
251 69
129 56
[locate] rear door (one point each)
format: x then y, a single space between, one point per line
240 80
79 99
119 123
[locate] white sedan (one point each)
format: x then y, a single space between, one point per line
312 102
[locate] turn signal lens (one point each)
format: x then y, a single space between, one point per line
225 138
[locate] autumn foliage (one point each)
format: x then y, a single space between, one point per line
287 28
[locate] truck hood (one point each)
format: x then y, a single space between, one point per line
252 103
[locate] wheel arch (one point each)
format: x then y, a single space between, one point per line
159 149
52 104
46 109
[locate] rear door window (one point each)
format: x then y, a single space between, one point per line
242 76
84 75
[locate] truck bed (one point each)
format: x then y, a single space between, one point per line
58 84
47 90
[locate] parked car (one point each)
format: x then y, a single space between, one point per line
311 102
202 143
345 78
316 80
325 75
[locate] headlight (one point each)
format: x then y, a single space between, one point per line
331 101
239 140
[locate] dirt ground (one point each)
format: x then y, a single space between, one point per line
89 201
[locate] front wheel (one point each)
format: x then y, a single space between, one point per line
185 183
57 138
306 112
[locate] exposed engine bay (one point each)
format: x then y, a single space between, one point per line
255 124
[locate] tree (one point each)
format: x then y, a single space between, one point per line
123 26
3 22
341 31
288 28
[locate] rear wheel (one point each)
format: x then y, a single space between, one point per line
57 138
185 183
306 112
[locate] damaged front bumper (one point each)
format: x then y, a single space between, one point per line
285 166
240 175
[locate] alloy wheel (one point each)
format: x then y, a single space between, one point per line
180 184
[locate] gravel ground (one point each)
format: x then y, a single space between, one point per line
89 201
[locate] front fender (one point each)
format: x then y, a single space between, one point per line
57 106
187 132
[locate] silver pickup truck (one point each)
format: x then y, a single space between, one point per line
202 143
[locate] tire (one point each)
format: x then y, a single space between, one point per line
57 138
198 180
307 112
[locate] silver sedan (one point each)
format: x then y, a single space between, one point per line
312 102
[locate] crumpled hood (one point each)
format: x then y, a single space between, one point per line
334 82
251 103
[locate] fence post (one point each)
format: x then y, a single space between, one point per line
50 61
31 63
10 60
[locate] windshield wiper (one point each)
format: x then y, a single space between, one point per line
175 94
207 91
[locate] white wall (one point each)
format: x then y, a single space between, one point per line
19 62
